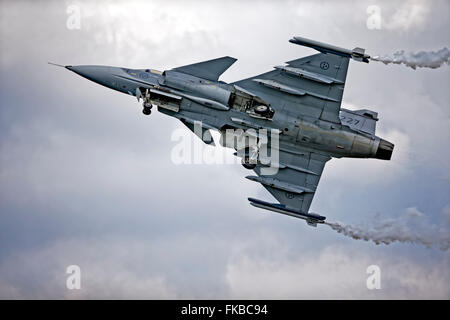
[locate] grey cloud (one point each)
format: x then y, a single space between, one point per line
82 172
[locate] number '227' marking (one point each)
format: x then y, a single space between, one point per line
349 120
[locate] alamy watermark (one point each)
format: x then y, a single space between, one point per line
374 279
253 146
73 21
373 21
74 279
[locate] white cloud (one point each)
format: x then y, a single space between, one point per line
335 273
109 270
446 214
411 14
264 266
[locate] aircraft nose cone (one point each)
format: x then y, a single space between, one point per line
81 70
84 71
97 74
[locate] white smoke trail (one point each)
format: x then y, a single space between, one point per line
421 59
412 227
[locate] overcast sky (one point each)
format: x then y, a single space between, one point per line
87 179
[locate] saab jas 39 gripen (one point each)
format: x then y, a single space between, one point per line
300 102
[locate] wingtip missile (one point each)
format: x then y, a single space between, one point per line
357 54
312 219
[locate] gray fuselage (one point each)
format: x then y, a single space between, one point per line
209 102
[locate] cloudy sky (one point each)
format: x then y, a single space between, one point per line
86 179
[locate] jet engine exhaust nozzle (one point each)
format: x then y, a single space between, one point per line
385 149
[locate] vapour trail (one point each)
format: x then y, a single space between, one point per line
412 227
421 59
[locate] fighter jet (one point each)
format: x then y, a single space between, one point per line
298 102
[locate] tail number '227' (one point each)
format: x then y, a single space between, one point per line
348 120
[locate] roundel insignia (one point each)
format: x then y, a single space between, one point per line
324 65
289 195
